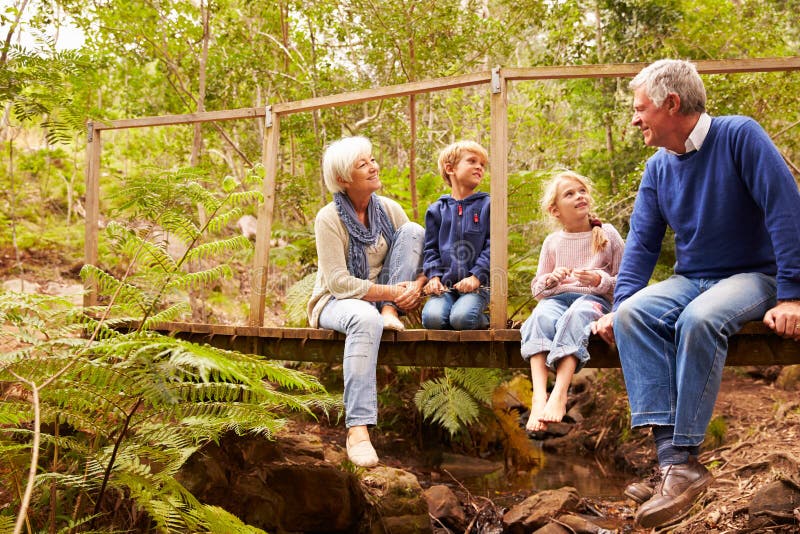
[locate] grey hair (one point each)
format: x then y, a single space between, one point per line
673 76
337 162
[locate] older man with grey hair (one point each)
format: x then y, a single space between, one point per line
722 186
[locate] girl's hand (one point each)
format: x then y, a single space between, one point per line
468 284
556 277
587 277
434 287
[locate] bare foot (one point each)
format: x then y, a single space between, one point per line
390 319
555 409
535 423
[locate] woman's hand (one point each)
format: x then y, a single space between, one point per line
409 297
434 287
468 284
587 277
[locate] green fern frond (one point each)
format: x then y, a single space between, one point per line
177 224
219 520
478 382
200 278
224 219
297 298
218 248
245 198
199 194
446 404
148 255
170 314
107 285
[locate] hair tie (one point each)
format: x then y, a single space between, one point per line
594 221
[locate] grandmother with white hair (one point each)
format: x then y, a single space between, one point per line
370 270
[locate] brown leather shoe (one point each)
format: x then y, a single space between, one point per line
642 491
681 485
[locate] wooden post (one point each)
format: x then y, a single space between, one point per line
260 273
498 234
92 208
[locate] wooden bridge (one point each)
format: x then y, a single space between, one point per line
496 347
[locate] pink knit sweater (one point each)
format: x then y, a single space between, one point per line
574 250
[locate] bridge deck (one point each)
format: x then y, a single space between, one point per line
753 345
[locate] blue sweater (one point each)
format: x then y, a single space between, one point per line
734 207
457 239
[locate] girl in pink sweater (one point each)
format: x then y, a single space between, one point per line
574 283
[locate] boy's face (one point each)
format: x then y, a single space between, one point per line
468 171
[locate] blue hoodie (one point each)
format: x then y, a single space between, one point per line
457 239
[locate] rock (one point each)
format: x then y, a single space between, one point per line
19 285
535 511
268 486
71 292
774 502
445 507
552 528
248 225
789 378
578 524
399 506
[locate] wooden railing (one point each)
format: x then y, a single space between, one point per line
497 80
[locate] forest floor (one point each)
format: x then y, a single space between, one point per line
757 442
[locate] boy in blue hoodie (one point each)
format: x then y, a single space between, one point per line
456 253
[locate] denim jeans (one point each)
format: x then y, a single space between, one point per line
673 340
456 311
362 325
559 325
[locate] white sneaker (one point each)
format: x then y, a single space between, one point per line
362 453
392 322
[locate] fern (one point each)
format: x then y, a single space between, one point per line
455 400
126 409
297 298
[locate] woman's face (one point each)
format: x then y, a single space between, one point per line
364 178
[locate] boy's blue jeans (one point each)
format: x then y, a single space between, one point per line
361 322
673 339
456 311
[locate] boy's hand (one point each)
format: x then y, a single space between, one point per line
468 285
434 287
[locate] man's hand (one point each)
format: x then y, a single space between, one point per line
784 319
604 327
468 284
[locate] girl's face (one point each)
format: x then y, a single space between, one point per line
573 202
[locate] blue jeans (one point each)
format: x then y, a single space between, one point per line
362 325
673 339
559 325
456 311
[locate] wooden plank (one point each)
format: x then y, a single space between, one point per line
188 118
258 278
498 232
507 334
477 335
619 70
415 334
379 93
450 336
92 207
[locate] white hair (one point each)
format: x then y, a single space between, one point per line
337 162
667 76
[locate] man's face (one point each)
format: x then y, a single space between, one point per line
657 124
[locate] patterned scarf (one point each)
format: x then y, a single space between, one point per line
362 237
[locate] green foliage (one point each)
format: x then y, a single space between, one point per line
456 399
296 300
133 405
715 433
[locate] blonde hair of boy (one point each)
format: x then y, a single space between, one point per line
452 154
548 202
